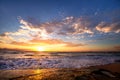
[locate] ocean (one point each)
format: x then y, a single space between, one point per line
11 60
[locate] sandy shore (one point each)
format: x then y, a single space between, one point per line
103 72
115 67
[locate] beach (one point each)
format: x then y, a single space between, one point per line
101 72
59 39
16 65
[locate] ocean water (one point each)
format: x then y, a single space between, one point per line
10 60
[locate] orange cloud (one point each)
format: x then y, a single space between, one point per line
117 47
1 42
55 42
105 27
50 34
47 45
74 45
4 38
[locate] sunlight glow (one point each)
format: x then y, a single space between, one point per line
40 49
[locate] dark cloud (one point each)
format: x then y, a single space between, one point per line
69 25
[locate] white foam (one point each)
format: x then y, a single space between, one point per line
56 62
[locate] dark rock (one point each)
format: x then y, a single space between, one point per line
117 60
84 77
103 73
40 63
72 76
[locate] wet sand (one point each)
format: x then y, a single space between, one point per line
115 67
103 72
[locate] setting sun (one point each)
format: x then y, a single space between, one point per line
40 49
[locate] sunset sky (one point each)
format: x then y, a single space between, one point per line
60 25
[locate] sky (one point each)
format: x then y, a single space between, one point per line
60 25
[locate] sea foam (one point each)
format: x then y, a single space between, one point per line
66 60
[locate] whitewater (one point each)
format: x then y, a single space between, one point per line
30 60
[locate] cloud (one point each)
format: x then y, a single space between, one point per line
81 29
1 42
31 29
39 31
32 32
107 27
55 42
69 25
74 45
74 26
20 35
47 44
4 38
21 43
117 47
48 41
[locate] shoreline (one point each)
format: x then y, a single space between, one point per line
55 73
113 67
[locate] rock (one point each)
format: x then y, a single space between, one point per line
84 77
117 60
104 72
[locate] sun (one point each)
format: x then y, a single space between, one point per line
40 49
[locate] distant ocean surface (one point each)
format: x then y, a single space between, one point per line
30 60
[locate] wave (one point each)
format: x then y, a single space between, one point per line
49 61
